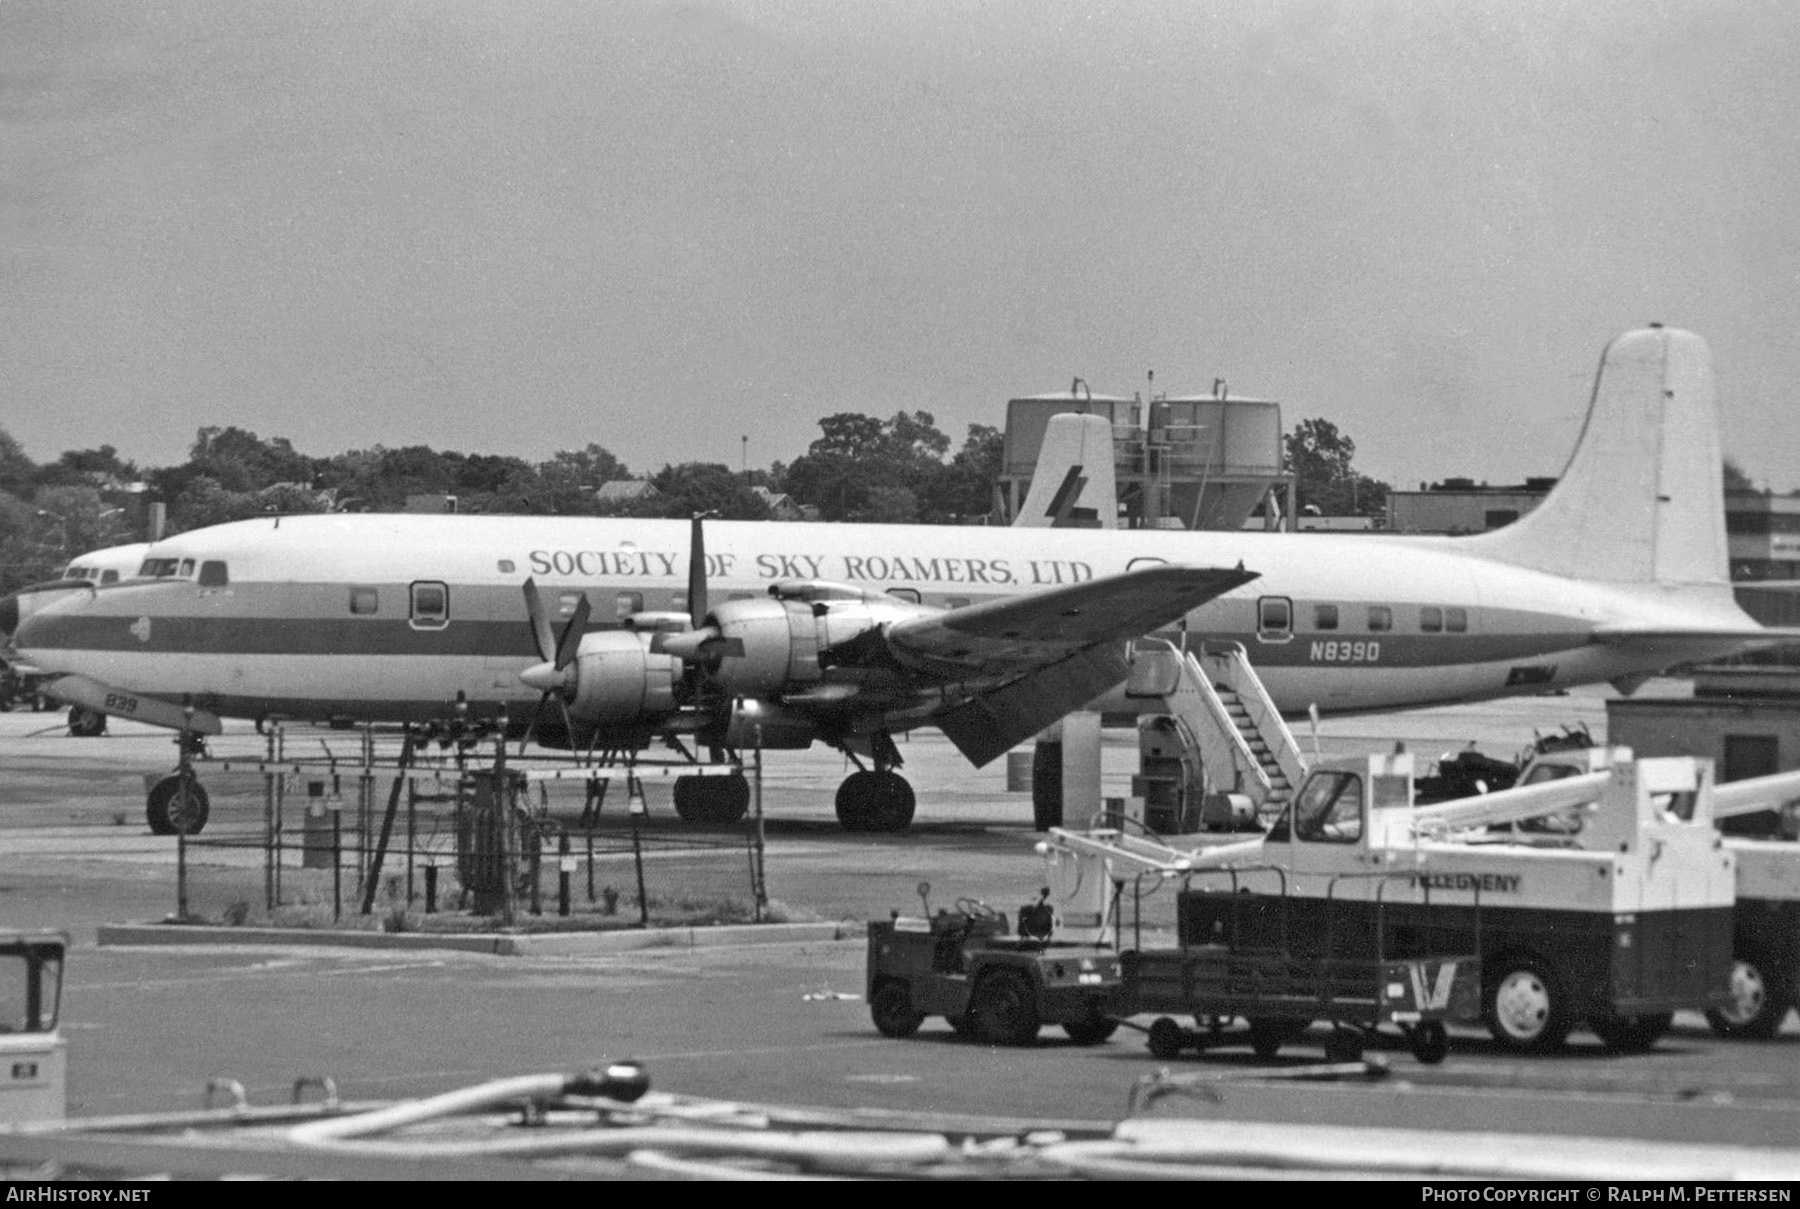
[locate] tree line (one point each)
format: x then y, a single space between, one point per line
899 470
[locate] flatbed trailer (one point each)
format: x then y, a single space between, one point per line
1282 989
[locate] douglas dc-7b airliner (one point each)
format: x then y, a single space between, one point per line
848 634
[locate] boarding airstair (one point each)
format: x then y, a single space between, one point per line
1224 716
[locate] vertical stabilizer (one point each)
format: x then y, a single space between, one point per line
1073 486
1641 500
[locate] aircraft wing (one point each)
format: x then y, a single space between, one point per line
1030 660
1767 636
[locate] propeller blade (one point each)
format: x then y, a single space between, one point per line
570 642
540 622
697 574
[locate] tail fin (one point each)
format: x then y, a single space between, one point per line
1073 485
1641 500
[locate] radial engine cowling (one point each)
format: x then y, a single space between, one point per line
619 681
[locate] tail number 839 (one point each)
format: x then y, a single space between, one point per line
1346 651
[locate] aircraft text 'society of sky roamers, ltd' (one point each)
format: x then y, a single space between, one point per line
781 635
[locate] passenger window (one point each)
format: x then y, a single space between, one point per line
1456 620
627 603
566 603
364 601
1325 617
506 566
1380 618
1431 619
430 606
907 594
956 602
213 575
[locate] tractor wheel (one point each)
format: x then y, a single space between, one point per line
1005 1009
891 1008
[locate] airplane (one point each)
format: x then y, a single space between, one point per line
848 634
94 569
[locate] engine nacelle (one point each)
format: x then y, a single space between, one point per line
779 644
773 645
618 680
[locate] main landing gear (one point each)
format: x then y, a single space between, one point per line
877 799
723 799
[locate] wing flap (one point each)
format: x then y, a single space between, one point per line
994 722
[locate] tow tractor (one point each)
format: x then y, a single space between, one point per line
988 982
1765 971
1620 936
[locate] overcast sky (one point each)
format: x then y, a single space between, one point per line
511 227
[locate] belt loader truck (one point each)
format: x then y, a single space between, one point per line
1620 934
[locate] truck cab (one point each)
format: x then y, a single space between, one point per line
33 1059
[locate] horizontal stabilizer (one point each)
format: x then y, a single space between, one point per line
103 699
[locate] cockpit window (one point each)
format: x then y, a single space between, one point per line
213 574
160 568
187 568
109 577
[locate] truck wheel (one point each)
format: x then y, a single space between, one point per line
1344 1045
1631 1034
175 808
1166 1037
892 1010
1526 1009
86 723
1005 1009
1430 1043
962 1026
1267 1037
1759 1001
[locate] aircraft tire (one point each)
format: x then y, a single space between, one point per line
1760 998
86 723
853 803
1046 786
171 812
1526 1007
687 798
891 802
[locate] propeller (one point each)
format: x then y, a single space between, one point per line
701 643
551 677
